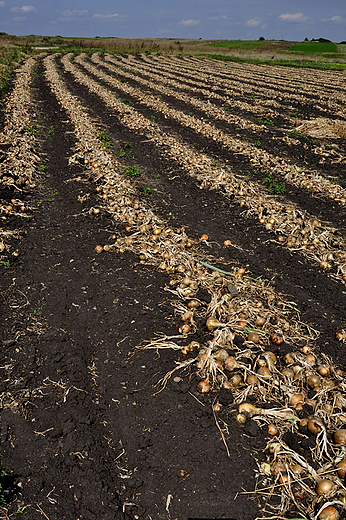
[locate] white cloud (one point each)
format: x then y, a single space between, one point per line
19 19
2 3
293 17
189 23
24 8
109 17
254 22
334 19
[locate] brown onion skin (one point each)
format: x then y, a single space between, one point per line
329 513
324 486
254 337
203 386
341 467
340 436
276 339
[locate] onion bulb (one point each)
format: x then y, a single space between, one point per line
289 359
340 436
296 469
236 380
193 304
264 372
221 355
272 429
230 363
204 237
342 468
314 425
314 381
241 419
253 337
213 323
329 513
185 329
217 407
98 249
296 400
287 372
251 379
260 321
310 360
248 409
323 370
203 386
270 358
324 486
276 339
241 323
187 316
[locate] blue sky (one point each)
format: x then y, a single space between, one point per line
218 19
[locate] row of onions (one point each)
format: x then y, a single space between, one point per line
196 83
269 163
295 228
244 324
260 82
20 160
292 173
274 103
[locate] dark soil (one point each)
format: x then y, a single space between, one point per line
84 431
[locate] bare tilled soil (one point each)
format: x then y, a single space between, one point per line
173 293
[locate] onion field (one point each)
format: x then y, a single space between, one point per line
173 241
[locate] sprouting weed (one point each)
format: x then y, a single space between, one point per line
104 138
133 171
274 188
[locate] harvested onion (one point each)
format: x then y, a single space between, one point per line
203 386
264 372
315 425
329 513
230 363
276 339
340 436
342 468
213 323
248 409
324 486
254 337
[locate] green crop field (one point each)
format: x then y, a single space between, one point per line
314 47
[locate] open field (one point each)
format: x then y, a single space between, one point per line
173 252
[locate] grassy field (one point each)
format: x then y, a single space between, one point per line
314 47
